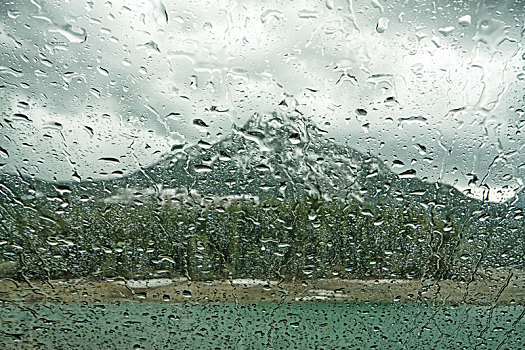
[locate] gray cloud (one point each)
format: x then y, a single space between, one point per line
126 80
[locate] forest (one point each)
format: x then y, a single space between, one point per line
273 239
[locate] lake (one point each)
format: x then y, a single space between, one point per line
299 325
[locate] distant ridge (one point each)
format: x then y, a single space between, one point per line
272 155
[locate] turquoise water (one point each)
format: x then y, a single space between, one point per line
260 326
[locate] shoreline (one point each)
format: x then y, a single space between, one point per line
505 290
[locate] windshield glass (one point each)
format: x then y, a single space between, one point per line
247 174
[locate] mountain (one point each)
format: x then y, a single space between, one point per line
367 210
277 155
283 155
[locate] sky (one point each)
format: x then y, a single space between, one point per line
96 89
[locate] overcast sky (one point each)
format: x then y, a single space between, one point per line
442 84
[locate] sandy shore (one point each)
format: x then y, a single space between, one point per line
503 289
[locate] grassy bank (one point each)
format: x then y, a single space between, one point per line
498 288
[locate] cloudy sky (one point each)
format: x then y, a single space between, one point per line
91 89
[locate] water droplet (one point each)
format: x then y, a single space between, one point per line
465 21
109 160
22 117
361 112
103 71
202 168
409 174
376 4
159 12
204 145
151 47
200 122
11 71
308 14
382 24
4 153
445 31
294 138
13 13
414 119
271 15
73 35
397 164
94 92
